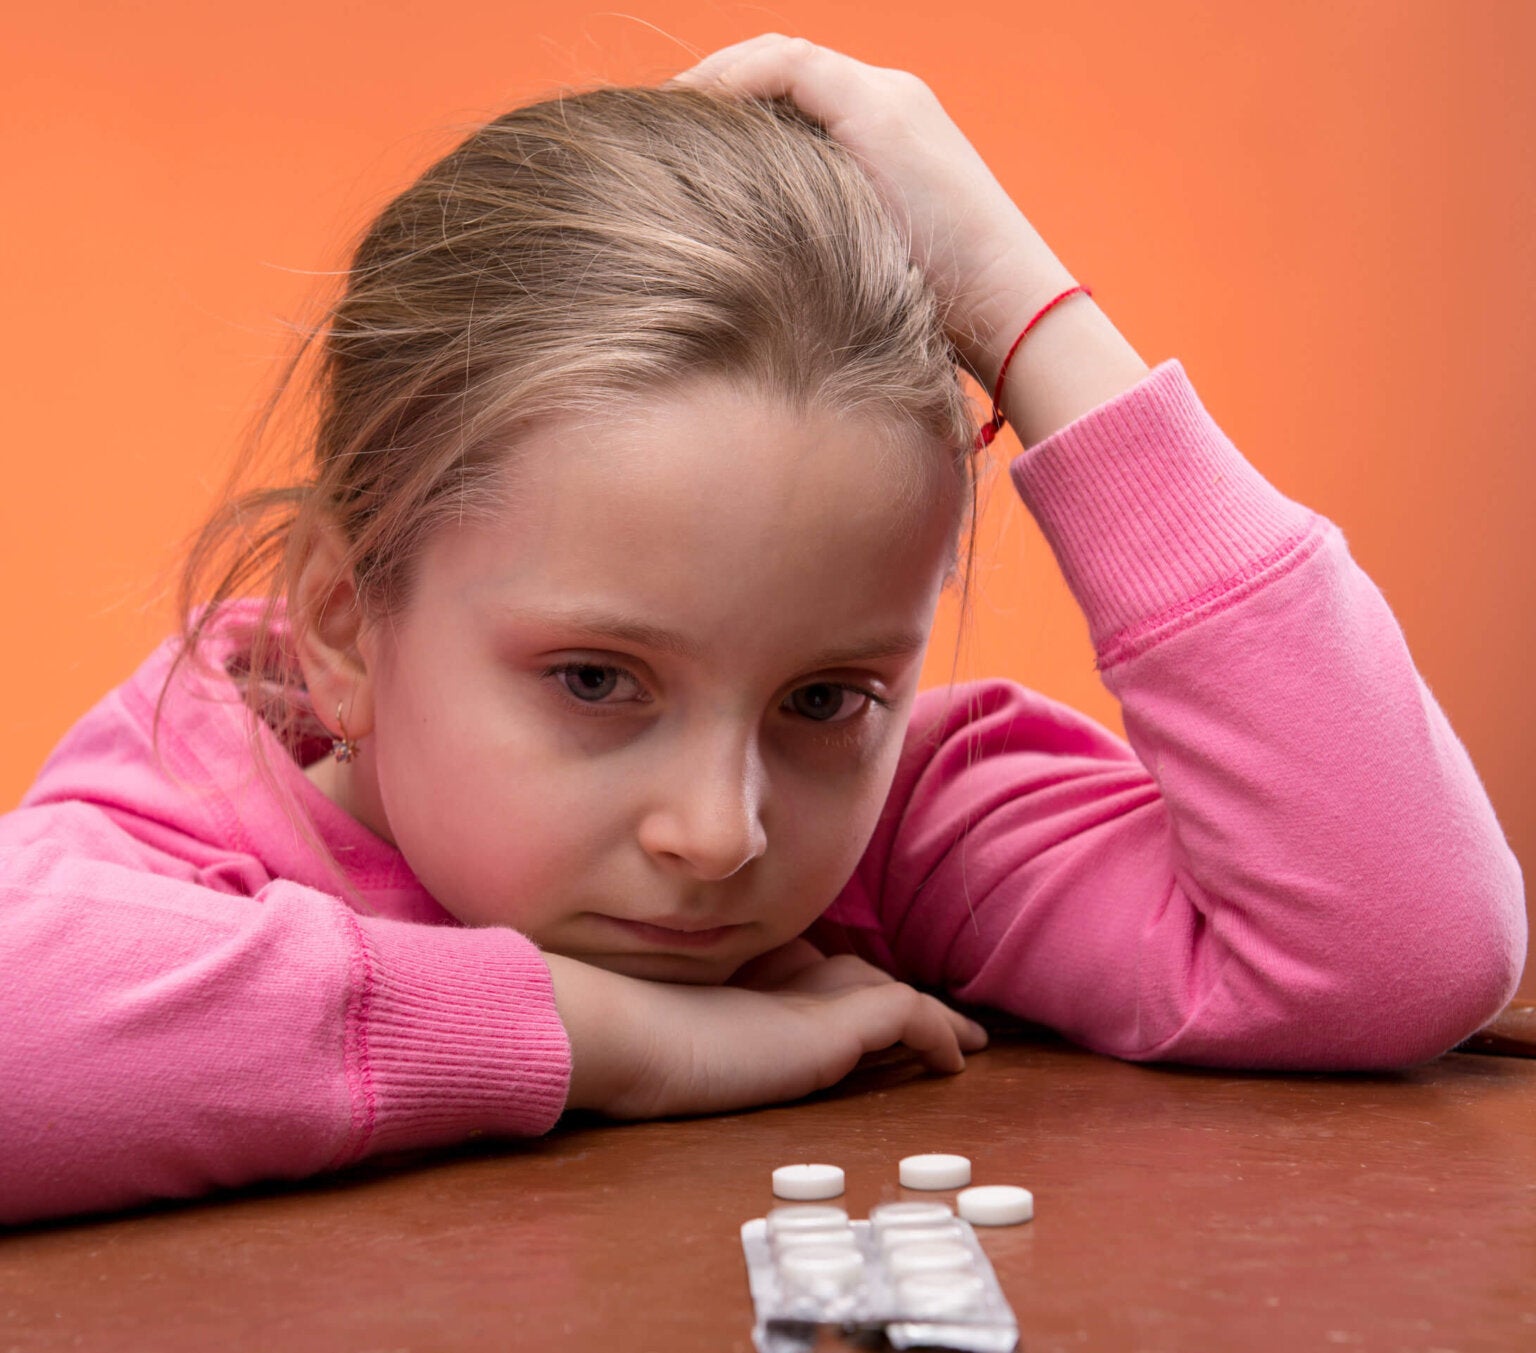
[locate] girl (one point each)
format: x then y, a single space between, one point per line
557 741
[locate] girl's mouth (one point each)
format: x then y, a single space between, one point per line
674 937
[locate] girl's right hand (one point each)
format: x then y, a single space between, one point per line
989 268
987 265
644 1049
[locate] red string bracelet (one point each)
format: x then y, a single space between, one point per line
994 425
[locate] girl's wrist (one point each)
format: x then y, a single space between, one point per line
590 1004
1073 361
1018 276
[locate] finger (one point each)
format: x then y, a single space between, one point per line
933 1034
777 67
705 71
894 1013
952 1025
831 976
973 1037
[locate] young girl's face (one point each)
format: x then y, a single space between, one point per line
649 714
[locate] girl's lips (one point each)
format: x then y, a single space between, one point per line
674 938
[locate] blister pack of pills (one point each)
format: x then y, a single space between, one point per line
913 1270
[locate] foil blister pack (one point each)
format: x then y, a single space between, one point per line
913 1272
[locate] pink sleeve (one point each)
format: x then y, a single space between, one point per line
164 1038
1296 867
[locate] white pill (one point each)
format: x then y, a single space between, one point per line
822 1268
808 1218
838 1236
996 1205
940 1293
807 1181
910 1214
894 1236
936 1258
934 1172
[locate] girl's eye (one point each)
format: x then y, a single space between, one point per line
592 682
827 702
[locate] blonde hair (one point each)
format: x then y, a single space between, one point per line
591 248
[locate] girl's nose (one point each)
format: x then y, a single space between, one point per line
709 817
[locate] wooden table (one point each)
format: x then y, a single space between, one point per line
1175 1210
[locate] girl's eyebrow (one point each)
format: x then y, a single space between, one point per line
629 629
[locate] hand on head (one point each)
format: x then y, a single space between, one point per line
983 259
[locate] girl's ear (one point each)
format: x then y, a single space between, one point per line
327 623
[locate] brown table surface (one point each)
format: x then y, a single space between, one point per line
1175 1210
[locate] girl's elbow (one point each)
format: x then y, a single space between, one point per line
1378 997
1446 981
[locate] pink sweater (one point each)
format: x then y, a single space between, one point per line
1296 866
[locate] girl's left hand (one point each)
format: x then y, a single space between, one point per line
986 263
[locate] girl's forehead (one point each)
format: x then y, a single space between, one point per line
722 445
716 508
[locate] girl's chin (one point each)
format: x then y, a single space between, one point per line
701 970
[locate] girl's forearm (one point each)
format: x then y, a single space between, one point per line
1074 359
642 1049
592 1006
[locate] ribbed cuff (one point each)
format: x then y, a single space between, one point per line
450 1033
1149 507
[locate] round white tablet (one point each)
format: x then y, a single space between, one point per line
805 1218
934 1172
893 1237
995 1205
822 1268
833 1235
935 1294
939 1257
807 1181
910 1214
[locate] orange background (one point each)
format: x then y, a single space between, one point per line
1327 211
